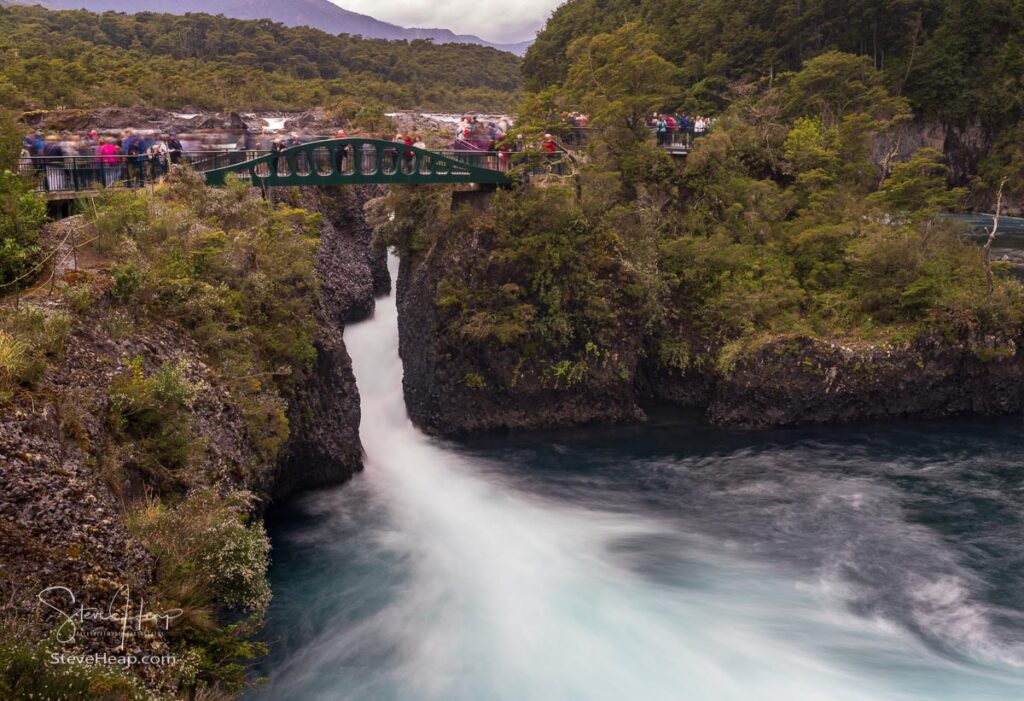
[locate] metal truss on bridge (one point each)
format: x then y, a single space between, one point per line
357 161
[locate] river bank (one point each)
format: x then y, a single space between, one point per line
478 310
136 458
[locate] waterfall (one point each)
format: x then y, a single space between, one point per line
436 577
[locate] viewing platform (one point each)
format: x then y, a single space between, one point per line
349 161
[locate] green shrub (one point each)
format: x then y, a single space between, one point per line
22 215
10 138
30 339
566 374
114 216
207 538
127 281
80 297
266 420
14 362
27 673
371 118
212 561
542 278
474 380
154 411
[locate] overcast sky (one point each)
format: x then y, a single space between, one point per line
494 20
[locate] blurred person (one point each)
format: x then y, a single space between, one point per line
276 149
53 162
343 152
109 154
174 147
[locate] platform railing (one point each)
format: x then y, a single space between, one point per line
71 174
62 174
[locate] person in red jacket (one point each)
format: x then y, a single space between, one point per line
407 156
549 145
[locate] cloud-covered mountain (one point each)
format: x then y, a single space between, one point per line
319 14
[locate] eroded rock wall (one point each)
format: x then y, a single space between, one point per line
799 381
324 413
453 388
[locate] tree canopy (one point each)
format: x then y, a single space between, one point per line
954 60
81 59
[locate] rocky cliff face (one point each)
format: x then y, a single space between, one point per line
965 146
457 388
324 413
800 380
66 477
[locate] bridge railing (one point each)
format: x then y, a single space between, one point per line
576 138
349 160
62 174
358 160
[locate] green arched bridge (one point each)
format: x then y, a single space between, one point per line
353 161
357 161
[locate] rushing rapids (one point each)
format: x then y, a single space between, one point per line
661 562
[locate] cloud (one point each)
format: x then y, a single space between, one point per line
504 21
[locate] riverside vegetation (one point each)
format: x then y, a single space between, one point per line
214 292
806 215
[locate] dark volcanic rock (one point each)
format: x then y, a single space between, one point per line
65 479
440 400
324 414
67 474
661 384
801 380
324 448
453 387
351 274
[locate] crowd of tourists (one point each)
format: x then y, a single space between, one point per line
474 134
679 128
74 162
579 124
62 162
668 128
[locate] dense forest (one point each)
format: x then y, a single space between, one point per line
954 60
81 59
810 216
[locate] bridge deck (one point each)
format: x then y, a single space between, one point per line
352 161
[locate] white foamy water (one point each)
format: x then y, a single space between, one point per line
490 593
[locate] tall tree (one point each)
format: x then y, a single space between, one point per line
619 77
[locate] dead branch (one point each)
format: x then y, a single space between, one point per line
992 237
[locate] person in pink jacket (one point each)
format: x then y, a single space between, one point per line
110 160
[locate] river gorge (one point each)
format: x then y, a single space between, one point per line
678 358
664 561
